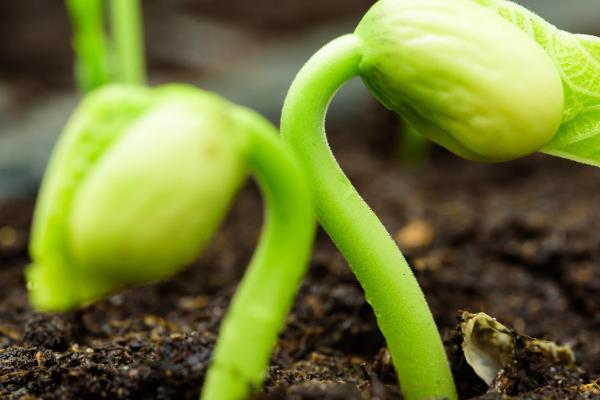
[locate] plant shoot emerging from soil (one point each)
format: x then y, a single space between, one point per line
139 182
486 79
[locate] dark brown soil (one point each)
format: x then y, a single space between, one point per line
518 241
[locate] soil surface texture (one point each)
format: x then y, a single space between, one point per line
518 241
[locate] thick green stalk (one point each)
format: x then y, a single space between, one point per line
266 293
128 41
389 284
89 42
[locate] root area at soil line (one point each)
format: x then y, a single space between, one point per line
518 241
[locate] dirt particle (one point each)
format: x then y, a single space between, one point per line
193 303
433 261
590 388
8 236
40 358
416 234
10 332
315 305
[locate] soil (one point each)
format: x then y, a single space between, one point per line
518 241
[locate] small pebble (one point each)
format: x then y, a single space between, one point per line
40 358
8 236
416 234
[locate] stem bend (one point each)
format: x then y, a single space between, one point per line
267 291
389 284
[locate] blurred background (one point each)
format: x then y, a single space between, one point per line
248 51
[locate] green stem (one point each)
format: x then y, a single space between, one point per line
389 284
264 298
89 42
127 34
413 148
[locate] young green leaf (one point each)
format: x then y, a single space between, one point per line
578 59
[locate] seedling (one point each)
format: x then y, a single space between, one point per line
137 185
486 79
100 61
